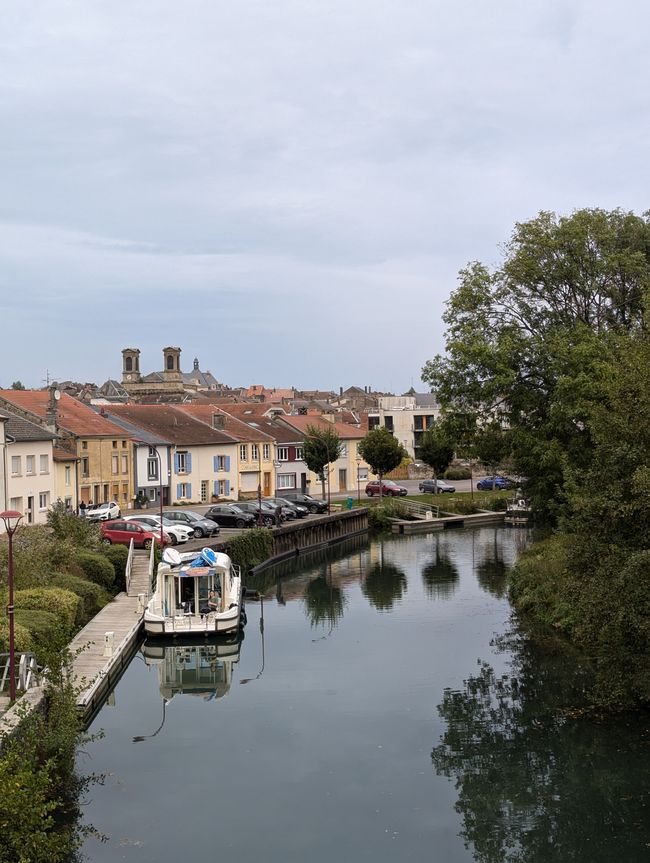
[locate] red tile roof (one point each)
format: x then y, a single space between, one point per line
72 415
173 422
238 430
344 430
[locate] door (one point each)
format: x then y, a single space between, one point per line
30 509
303 483
267 484
204 490
343 477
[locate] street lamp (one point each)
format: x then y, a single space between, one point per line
11 519
260 521
358 460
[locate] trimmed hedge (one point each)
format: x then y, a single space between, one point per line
44 628
457 473
251 548
118 556
93 596
64 603
22 636
97 568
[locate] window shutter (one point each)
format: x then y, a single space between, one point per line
227 462
189 491
292 453
178 491
188 462
176 462
215 487
215 463
227 486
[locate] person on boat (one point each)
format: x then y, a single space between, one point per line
213 600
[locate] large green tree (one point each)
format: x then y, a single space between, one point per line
436 450
382 451
526 339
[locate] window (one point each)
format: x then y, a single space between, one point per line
152 493
182 462
84 444
344 450
114 444
183 489
255 452
243 452
114 464
68 503
125 463
152 468
67 475
223 488
43 499
283 453
44 466
266 451
300 456
16 503
124 443
388 422
373 423
128 364
15 465
125 492
286 480
221 462
84 466
29 464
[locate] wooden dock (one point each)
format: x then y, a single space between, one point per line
445 522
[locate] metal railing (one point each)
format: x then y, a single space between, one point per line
420 510
25 668
152 564
129 567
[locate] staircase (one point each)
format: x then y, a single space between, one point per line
140 580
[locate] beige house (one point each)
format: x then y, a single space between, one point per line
407 418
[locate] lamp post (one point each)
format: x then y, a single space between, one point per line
160 501
11 519
358 461
260 521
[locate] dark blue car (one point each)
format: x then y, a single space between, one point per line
490 482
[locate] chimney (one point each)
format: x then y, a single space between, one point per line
218 421
340 391
51 412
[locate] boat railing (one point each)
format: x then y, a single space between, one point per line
129 567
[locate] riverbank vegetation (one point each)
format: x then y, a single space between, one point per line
550 351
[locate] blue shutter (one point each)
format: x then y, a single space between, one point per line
188 462
227 462
189 491
227 487
215 463
215 487
176 460
178 491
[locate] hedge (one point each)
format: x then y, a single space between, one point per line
118 556
457 473
64 603
97 568
93 596
22 636
251 548
43 626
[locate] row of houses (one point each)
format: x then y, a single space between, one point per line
55 447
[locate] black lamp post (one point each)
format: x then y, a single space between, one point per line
11 519
358 460
260 520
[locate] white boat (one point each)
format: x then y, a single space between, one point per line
518 511
179 605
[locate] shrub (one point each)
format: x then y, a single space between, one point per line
381 515
251 548
45 628
64 603
457 473
118 556
22 636
97 568
68 526
93 596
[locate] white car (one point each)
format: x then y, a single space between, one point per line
104 512
178 533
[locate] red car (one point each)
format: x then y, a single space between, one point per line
388 488
122 532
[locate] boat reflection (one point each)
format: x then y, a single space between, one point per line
203 669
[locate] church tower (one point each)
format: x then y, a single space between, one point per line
130 365
172 365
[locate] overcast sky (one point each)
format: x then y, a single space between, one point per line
288 188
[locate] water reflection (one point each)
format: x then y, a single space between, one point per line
384 584
202 669
440 576
535 781
324 601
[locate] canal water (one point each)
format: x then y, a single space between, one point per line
382 706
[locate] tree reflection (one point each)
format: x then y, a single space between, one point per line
324 602
383 585
440 576
491 572
534 783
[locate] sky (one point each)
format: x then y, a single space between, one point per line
287 189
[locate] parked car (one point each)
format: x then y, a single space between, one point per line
177 532
103 511
313 505
269 515
200 525
428 486
230 515
490 482
289 508
121 532
388 488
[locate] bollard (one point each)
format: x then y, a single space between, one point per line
142 602
108 643
428 515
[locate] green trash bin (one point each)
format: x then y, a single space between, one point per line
349 503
